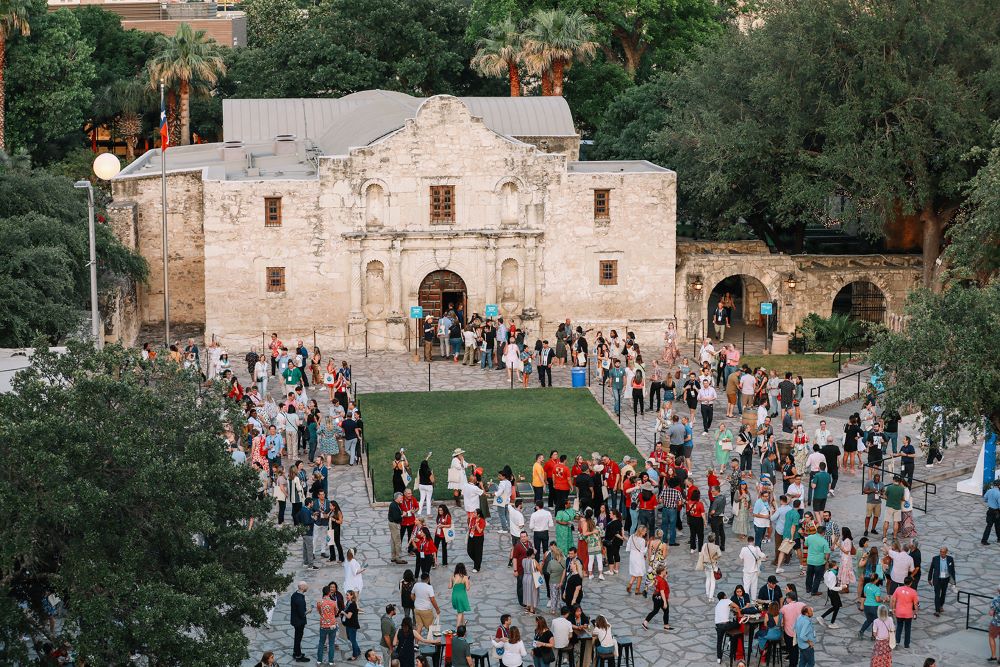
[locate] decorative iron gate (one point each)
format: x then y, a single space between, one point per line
861 300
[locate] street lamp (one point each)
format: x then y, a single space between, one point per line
106 167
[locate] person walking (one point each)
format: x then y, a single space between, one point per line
460 585
708 561
940 575
905 603
395 519
307 521
882 628
706 399
425 484
805 638
661 599
328 621
298 620
474 545
992 500
751 557
833 590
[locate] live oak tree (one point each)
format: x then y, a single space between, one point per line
879 101
118 496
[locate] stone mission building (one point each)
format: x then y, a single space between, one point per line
339 215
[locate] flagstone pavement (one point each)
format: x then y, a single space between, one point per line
953 519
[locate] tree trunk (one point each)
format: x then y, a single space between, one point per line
185 112
632 47
931 246
3 93
798 238
547 82
558 66
130 143
515 79
173 122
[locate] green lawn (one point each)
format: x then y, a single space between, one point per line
495 427
806 365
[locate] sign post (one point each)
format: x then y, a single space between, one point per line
417 313
492 310
767 309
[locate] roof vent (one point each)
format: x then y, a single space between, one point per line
285 144
232 151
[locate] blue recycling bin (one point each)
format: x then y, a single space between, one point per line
579 375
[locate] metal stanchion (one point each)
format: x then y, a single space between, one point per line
428 376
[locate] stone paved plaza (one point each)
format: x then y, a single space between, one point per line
954 520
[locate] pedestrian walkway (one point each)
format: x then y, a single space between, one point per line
956 521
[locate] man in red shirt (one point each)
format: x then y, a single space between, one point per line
275 346
660 458
550 468
561 481
408 506
904 606
612 477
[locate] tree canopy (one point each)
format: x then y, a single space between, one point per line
140 524
874 101
44 250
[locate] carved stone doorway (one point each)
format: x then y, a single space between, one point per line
440 290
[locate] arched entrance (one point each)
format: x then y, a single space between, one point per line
440 291
860 300
745 321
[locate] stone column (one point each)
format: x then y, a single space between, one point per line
396 276
356 319
530 287
491 270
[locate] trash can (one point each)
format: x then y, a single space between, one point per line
779 343
579 374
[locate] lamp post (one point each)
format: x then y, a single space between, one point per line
106 167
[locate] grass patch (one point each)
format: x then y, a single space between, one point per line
495 427
806 365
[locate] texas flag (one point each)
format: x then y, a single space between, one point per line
164 131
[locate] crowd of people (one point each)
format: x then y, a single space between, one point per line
576 516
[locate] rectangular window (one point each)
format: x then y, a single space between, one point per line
602 204
442 203
608 272
272 211
275 279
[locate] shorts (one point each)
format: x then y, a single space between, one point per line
692 404
872 509
688 450
786 546
994 631
893 514
424 617
786 405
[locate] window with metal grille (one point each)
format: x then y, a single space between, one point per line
275 279
272 211
442 203
602 204
608 272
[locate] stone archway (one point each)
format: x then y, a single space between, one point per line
861 300
441 289
746 323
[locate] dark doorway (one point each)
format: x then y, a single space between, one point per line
452 300
860 300
439 289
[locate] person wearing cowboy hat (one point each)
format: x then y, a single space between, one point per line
430 331
456 474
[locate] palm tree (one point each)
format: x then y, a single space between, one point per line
13 19
126 100
189 56
555 39
499 53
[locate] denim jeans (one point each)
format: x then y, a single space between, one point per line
328 636
814 575
871 613
807 656
616 393
646 517
634 514
668 523
758 535
456 346
893 438
352 636
903 631
504 518
352 448
486 359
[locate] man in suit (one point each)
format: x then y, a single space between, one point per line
298 619
939 575
545 356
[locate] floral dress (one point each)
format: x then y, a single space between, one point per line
742 523
845 572
657 557
801 454
327 438
526 361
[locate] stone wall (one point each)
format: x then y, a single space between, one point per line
185 240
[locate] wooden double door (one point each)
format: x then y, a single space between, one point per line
440 291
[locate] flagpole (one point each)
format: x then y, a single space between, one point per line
163 207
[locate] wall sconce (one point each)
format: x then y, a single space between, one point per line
791 282
697 285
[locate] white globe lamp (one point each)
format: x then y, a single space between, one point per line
107 166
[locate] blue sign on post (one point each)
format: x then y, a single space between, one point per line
766 308
416 312
492 310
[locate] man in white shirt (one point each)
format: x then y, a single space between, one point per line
706 398
516 517
724 609
747 383
470 496
902 566
501 502
425 605
795 490
707 353
469 345
823 437
751 557
540 524
562 629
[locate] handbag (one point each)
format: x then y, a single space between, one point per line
727 444
717 573
539 580
449 534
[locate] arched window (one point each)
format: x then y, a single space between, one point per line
374 205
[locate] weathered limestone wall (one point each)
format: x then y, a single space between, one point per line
185 241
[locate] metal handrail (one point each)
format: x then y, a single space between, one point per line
930 488
817 390
968 608
847 345
696 340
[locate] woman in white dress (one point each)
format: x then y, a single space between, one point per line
636 549
456 475
512 358
353 581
